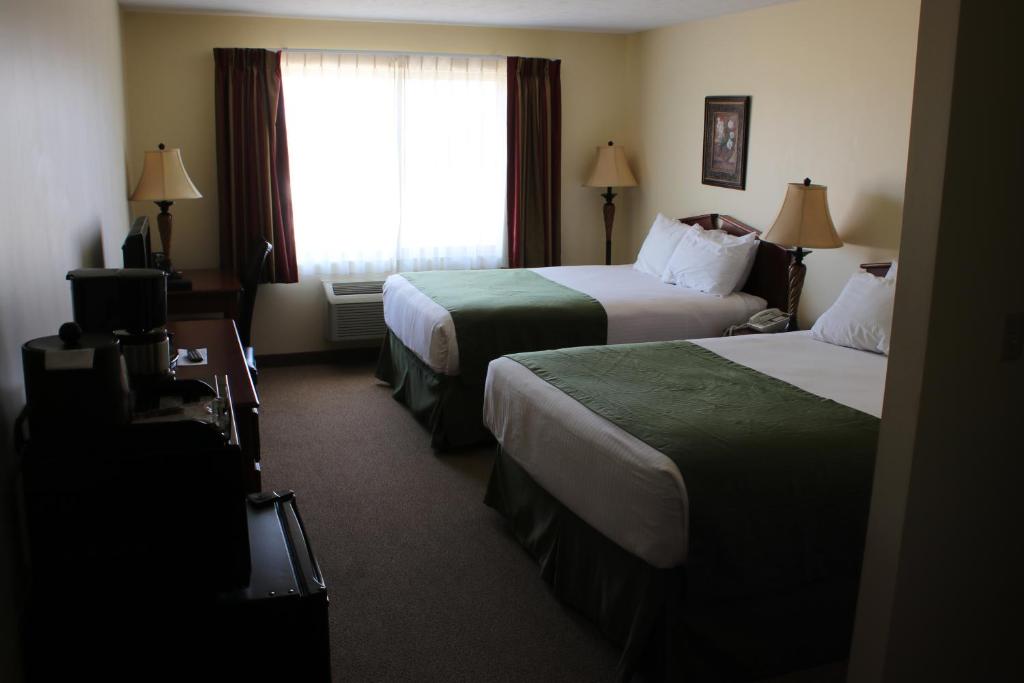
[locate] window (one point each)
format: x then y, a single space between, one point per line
397 162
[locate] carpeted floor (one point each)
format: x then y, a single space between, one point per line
425 582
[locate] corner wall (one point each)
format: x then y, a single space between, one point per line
170 98
940 590
62 203
831 84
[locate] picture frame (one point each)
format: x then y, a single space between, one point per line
726 136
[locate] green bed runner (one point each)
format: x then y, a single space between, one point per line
497 312
778 479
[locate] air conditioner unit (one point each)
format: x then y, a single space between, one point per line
355 310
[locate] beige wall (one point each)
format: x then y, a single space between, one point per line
831 83
169 98
933 89
62 195
940 588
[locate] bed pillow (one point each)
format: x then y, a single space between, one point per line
891 274
861 318
661 241
711 261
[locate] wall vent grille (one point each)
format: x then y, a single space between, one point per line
355 310
343 288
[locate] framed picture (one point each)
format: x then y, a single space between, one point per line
726 124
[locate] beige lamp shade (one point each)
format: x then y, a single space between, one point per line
804 219
164 178
611 168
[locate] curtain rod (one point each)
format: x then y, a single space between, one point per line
390 53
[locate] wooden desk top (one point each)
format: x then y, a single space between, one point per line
208 280
220 338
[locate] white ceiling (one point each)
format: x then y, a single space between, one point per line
619 16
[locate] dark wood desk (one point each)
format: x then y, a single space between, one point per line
225 357
213 291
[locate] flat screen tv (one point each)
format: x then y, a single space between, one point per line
136 250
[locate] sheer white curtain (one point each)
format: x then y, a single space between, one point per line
397 162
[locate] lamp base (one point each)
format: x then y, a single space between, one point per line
165 224
609 220
797 273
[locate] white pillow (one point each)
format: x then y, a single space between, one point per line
891 274
711 261
661 241
861 317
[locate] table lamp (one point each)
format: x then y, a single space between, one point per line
610 170
803 221
164 179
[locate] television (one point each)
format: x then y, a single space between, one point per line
137 250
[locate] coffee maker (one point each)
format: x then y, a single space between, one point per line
131 304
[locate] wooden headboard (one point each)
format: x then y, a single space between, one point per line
877 269
769 277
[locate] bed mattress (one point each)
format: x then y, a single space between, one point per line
627 490
640 308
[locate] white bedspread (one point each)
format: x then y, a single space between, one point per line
630 492
640 308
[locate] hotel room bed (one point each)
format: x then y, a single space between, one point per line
615 482
732 549
639 307
435 356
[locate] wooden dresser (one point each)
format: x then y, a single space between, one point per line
225 357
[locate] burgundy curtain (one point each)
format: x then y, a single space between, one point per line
252 161
533 202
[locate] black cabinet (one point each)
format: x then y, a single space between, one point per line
152 564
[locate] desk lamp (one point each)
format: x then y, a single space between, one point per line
164 179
